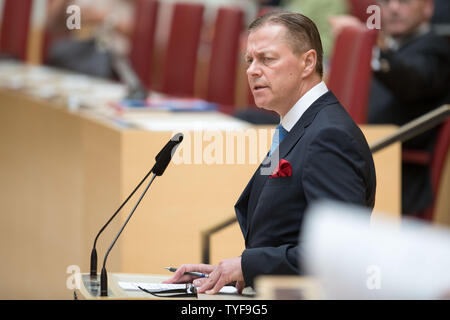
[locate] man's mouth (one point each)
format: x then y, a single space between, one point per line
259 87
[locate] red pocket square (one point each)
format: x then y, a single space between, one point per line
284 169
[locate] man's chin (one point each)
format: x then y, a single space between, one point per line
264 106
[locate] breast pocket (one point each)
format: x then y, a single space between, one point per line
282 182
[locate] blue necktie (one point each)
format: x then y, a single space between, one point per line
279 135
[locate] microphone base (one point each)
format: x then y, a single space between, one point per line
92 286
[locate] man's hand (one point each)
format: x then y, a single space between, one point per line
180 277
227 271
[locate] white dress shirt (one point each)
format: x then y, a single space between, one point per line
291 118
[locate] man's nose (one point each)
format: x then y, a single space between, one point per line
253 70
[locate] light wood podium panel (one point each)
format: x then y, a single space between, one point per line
63 175
41 196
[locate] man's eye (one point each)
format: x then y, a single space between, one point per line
249 61
267 59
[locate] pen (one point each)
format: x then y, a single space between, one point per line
196 274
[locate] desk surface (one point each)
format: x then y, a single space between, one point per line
117 293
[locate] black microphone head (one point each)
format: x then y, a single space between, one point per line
165 155
177 140
178 137
170 146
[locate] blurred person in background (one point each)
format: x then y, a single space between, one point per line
320 11
105 29
411 66
441 12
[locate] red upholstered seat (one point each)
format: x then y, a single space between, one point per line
358 8
181 54
15 28
224 54
47 40
267 9
142 39
350 70
416 156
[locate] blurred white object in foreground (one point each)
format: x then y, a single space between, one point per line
354 258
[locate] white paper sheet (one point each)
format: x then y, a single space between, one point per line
356 259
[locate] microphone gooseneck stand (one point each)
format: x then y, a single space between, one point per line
162 161
103 275
94 251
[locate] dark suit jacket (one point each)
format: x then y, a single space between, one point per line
417 81
330 159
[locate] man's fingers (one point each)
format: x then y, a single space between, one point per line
204 268
240 285
219 285
227 271
208 283
199 282
180 276
183 279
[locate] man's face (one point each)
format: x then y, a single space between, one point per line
274 71
401 17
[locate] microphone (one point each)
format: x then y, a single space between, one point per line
162 161
160 170
165 155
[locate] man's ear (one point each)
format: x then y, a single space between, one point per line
309 62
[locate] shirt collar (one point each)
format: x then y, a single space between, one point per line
295 113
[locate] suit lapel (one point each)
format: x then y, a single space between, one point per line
241 206
269 164
255 186
305 120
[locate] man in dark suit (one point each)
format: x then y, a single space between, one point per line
318 152
441 14
411 77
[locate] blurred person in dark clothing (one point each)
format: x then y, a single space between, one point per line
105 29
411 77
441 12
